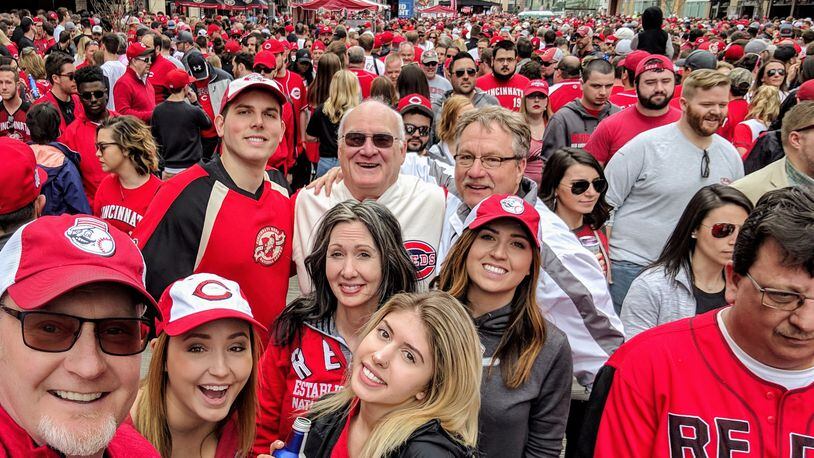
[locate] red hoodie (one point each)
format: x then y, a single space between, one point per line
134 97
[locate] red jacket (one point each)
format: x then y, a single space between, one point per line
157 74
49 97
80 136
133 96
16 443
679 388
286 390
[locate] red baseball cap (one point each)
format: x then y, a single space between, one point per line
654 62
232 46
252 81
584 31
273 46
318 45
266 58
499 206
552 55
733 52
398 39
177 78
806 91
55 254
199 299
415 102
21 179
632 60
387 37
289 28
136 49
536 86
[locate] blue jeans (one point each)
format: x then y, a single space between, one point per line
325 164
623 274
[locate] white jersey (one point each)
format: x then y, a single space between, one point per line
374 65
415 204
113 70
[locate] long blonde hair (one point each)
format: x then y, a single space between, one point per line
32 63
450 112
151 407
453 393
342 95
765 105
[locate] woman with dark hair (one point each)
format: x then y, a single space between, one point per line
574 186
688 277
382 89
492 269
412 80
772 73
358 261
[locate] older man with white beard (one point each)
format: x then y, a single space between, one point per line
652 177
73 325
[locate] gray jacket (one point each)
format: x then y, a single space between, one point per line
218 84
571 125
528 421
654 299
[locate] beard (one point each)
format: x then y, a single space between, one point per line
501 77
84 436
648 102
696 122
411 149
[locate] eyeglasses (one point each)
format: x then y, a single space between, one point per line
705 165
145 59
778 71
547 64
70 76
102 145
536 96
90 95
423 131
58 332
722 230
580 186
430 64
779 299
358 139
468 71
488 162
263 69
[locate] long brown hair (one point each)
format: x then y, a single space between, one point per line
525 336
319 89
151 408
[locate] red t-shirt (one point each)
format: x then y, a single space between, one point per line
205 101
619 128
563 93
509 93
340 449
623 99
13 124
365 80
676 96
124 208
735 113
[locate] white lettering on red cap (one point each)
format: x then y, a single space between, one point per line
91 236
212 290
416 100
513 205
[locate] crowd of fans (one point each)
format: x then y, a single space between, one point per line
574 236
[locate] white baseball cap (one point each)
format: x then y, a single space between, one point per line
199 299
253 81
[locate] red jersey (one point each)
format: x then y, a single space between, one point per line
616 130
624 98
200 221
42 44
294 89
80 136
509 92
560 94
291 378
13 124
205 102
157 76
365 80
121 207
735 113
678 390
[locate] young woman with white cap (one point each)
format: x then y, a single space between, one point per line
199 396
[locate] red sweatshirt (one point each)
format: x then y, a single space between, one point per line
80 136
133 96
49 97
157 75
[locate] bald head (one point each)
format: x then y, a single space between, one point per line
568 67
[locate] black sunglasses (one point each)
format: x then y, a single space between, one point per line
58 332
468 71
722 230
580 186
70 76
263 69
410 129
145 59
90 95
776 71
358 139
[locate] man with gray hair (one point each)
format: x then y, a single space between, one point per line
372 148
356 64
406 52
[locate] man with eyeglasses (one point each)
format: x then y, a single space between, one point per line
438 84
734 381
60 72
653 177
463 76
503 83
372 148
73 326
80 135
796 167
134 94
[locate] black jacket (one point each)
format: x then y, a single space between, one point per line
428 441
653 39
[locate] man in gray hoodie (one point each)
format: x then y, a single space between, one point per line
574 123
463 76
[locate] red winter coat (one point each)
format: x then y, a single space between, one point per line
49 97
134 97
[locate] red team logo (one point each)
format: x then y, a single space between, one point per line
212 290
423 257
269 245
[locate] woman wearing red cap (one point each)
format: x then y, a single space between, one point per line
534 109
199 397
492 269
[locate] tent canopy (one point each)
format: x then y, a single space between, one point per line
438 9
334 5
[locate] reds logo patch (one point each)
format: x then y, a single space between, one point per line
295 93
91 236
268 246
423 256
212 290
513 205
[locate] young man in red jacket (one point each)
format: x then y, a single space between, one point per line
60 71
133 93
159 69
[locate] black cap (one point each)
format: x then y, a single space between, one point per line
197 66
303 55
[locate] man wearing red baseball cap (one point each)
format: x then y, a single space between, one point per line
627 95
134 94
294 87
654 81
74 320
416 112
21 182
226 216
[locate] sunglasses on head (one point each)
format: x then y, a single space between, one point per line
468 71
90 95
580 186
58 332
410 129
776 71
722 230
358 139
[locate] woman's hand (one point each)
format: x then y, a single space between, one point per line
601 258
276 445
326 181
